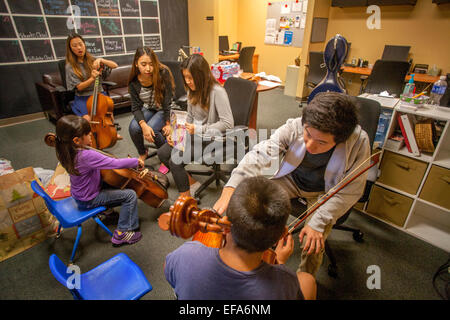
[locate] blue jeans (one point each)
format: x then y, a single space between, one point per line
126 198
155 119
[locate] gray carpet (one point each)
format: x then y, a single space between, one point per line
407 264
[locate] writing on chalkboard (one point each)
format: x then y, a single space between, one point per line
113 45
88 27
30 27
111 27
153 42
94 46
37 50
108 8
55 7
24 6
129 8
87 7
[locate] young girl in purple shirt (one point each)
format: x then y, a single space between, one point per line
84 165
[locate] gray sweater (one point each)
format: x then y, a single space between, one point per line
217 119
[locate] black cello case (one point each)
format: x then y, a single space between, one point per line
334 55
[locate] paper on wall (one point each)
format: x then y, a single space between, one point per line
297 21
279 39
305 6
285 8
297 6
303 22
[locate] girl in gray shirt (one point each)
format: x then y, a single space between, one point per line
209 115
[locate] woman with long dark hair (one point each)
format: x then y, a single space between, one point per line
209 114
81 70
151 87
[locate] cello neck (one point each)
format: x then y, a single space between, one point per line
95 97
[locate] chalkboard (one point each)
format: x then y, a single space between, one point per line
94 46
25 6
55 7
6 27
37 50
30 27
88 27
129 8
153 42
58 26
108 8
111 27
87 7
60 48
131 26
149 8
132 43
150 25
10 51
3 8
113 45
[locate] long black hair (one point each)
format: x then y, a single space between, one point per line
67 128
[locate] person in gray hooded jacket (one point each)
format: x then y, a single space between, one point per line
317 150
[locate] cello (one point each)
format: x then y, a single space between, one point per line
100 109
185 220
150 186
334 55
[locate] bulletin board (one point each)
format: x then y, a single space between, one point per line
36 30
285 23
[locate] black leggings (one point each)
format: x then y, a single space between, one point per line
176 160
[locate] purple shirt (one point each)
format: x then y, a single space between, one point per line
197 272
87 185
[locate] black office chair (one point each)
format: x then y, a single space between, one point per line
316 71
66 96
241 94
180 95
369 115
387 75
246 59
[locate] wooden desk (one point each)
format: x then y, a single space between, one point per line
236 57
418 77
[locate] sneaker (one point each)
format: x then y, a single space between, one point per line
163 169
128 237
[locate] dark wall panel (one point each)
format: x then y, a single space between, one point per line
17 82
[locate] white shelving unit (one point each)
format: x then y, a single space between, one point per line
425 220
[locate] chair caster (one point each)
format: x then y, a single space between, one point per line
332 271
358 236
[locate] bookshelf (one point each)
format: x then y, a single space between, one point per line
411 192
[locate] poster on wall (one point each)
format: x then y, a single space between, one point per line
285 23
34 31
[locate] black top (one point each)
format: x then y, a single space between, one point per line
138 93
309 175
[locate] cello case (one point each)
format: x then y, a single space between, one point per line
334 55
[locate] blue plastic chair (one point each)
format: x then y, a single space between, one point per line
119 278
68 214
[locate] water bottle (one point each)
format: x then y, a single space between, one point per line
438 91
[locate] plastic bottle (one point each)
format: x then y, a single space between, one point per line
409 87
438 91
